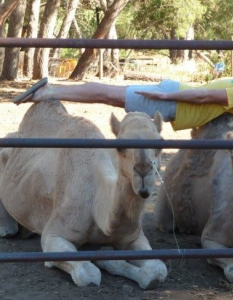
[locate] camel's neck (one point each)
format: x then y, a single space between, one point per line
118 206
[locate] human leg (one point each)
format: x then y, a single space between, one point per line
90 92
119 96
137 102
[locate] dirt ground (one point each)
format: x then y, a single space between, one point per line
187 279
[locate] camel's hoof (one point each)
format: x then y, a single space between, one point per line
153 273
8 231
86 274
228 271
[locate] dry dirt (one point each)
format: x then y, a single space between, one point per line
187 279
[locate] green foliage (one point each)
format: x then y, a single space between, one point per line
125 22
87 22
157 18
70 53
217 22
188 12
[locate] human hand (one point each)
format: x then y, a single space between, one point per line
150 95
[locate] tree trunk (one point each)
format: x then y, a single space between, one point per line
112 55
2 49
66 24
111 59
173 52
78 34
10 66
90 54
189 36
203 56
32 27
5 11
41 57
133 75
6 8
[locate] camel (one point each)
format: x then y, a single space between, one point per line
198 184
74 197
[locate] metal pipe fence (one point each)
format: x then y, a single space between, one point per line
119 44
116 255
108 143
111 143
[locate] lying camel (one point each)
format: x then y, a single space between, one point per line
76 196
199 186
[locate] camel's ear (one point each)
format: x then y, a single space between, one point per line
158 121
229 135
115 124
193 132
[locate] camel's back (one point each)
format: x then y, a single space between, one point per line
50 119
190 173
34 178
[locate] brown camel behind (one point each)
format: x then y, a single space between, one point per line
199 186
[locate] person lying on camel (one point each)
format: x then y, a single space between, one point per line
184 106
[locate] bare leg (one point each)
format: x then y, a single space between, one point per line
91 92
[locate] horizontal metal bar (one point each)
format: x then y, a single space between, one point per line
113 43
116 255
114 143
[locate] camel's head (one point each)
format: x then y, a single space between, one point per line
138 165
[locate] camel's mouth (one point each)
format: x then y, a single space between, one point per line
144 182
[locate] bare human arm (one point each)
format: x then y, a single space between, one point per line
196 96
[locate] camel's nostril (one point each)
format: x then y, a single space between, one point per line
144 194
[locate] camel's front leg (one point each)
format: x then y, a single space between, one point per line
164 219
153 271
8 225
122 268
225 263
147 273
83 273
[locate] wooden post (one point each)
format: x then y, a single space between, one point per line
232 60
101 64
